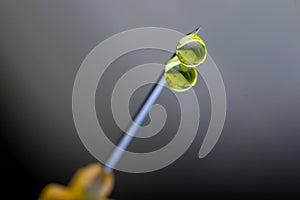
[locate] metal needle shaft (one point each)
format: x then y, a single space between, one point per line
138 120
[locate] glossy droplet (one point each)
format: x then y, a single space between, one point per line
191 50
178 76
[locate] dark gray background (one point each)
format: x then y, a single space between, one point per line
255 44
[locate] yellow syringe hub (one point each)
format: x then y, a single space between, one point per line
88 183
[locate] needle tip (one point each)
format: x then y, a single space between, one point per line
197 30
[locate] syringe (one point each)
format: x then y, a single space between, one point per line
96 182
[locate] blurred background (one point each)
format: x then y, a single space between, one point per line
255 44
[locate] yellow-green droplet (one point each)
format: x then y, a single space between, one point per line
178 76
191 50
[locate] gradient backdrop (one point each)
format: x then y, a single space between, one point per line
255 44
